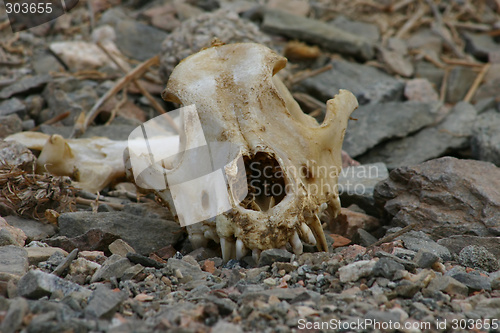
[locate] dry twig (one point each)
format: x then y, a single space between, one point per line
476 83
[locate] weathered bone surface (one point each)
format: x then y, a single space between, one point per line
240 100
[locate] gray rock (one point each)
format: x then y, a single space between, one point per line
473 281
453 133
459 82
395 62
365 238
45 62
406 288
368 84
383 316
448 285
103 303
13 260
114 266
426 70
25 85
417 241
188 272
408 265
64 265
33 230
489 308
36 284
143 260
132 272
225 327
387 268
368 31
316 32
13 319
438 195
13 153
485 104
425 258
456 243
356 270
11 106
137 40
485 143
425 39
357 183
480 45
10 124
145 235
268 257
478 257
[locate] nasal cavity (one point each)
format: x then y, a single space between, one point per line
266 182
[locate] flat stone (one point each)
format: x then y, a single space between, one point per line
11 106
36 284
268 257
420 90
395 62
453 133
120 247
485 142
39 254
316 32
472 281
459 82
456 243
10 235
457 186
426 70
369 31
387 268
64 265
92 240
425 39
114 266
10 124
132 272
80 55
18 309
368 84
296 7
406 289
83 266
13 260
408 264
34 230
356 270
145 235
137 40
365 238
14 153
425 258
225 327
480 45
188 271
104 302
448 285
478 257
144 261
357 183
417 240
25 85
380 122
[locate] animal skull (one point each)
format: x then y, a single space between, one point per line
240 100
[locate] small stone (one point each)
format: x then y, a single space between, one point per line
406 288
187 271
132 272
10 235
478 257
18 309
459 81
387 268
120 247
13 260
34 230
36 284
143 260
473 281
39 254
83 266
485 143
271 282
425 259
395 62
268 257
208 266
418 240
64 265
448 285
10 124
225 327
24 85
114 266
15 154
80 55
103 303
365 238
480 45
203 253
356 270
295 7
137 40
12 106
420 90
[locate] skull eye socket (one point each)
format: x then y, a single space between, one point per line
266 182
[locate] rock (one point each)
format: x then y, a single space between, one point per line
448 285
420 90
18 309
489 307
36 284
472 281
356 270
39 254
45 62
120 247
13 153
453 133
456 243
368 31
357 183
92 240
480 45
132 272
13 260
12 106
485 142
406 288
425 39
137 40
457 185
34 230
365 238
114 266
225 327
10 235
268 257
145 235
64 265
395 62
368 84
379 122
459 82
80 55
103 303
27 84
387 268
426 70
316 32
142 260
295 7
201 253
425 258
478 257
188 272
224 24
348 223
408 265
417 240
10 124
83 266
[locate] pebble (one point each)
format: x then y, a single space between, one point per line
268 257
448 285
26 84
36 284
356 270
485 142
114 266
10 124
13 260
387 268
39 254
103 303
478 257
425 258
472 281
120 247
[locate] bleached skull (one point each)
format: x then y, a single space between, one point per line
290 162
